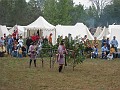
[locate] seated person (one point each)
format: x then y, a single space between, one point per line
105 51
2 50
20 53
111 55
94 53
15 50
24 51
88 48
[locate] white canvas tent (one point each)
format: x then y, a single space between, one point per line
98 31
83 30
105 33
43 27
65 30
21 30
115 31
3 30
77 30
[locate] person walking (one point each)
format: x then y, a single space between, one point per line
61 52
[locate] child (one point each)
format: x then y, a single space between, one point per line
20 52
94 54
32 50
110 55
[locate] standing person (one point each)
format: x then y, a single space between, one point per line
32 50
61 51
20 41
114 42
9 44
103 41
108 43
14 35
45 40
28 43
50 39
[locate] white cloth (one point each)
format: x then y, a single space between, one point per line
20 41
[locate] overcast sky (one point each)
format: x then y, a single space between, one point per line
86 3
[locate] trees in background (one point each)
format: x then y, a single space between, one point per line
64 12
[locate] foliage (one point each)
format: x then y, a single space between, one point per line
65 12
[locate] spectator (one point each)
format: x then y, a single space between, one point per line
94 53
28 43
114 42
20 41
33 38
2 50
24 51
103 41
15 50
9 44
37 37
4 36
20 53
95 42
50 39
111 55
45 40
105 51
108 43
88 48
2 41
14 35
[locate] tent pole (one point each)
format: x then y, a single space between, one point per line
55 36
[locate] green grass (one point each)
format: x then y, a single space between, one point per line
91 75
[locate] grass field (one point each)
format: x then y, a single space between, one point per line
91 75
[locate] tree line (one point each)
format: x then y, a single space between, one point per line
64 12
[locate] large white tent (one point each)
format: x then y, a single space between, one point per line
43 27
77 30
105 33
115 31
21 30
3 30
83 30
98 31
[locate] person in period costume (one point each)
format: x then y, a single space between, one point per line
61 52
32 51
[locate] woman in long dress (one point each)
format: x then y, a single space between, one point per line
61 53
32 51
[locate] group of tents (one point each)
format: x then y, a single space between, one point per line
45 28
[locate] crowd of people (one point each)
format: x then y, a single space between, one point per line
15 46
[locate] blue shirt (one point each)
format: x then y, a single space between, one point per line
104 49
114 42
10 41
